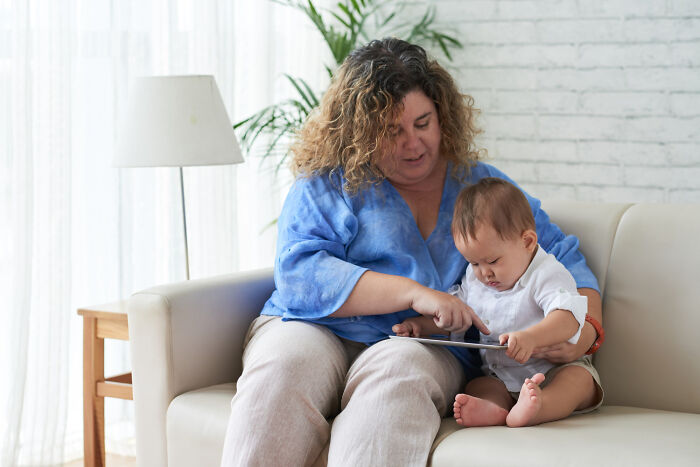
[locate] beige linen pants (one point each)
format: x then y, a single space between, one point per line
387 399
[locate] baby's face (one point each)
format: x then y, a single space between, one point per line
496 262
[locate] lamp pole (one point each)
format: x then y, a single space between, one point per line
184 223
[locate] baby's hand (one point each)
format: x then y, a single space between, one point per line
409 328
520 345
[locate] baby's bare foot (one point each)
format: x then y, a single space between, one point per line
472 411
529 403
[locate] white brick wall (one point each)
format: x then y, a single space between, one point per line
586 99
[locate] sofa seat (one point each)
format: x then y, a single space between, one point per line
196 425
612 435
621 435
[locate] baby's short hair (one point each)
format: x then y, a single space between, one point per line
493 201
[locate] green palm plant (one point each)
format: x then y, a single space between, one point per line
351 22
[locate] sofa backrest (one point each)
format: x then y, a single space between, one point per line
594 224
652 310
647 260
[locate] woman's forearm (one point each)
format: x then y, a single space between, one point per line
595 310
378 294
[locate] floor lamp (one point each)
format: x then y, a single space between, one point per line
176 121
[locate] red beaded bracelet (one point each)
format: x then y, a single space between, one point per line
601 335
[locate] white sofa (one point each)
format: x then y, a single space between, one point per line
186 343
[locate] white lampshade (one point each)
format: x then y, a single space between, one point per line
176 121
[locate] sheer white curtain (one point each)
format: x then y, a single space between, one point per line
77 232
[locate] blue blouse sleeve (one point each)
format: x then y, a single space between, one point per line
553 240
312 277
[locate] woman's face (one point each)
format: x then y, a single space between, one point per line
416 136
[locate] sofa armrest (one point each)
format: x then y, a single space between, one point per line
185 336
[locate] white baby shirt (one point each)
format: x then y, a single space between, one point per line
546 285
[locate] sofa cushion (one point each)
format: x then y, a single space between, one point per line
612 435
196 426
620 435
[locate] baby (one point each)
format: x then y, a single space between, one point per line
528 300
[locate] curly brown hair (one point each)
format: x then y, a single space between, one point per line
350 128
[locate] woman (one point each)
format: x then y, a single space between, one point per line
365 242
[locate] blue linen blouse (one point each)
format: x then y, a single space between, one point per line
327 239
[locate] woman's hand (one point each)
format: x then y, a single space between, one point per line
448 312
558 353
566 352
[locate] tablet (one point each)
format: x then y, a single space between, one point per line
436 341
